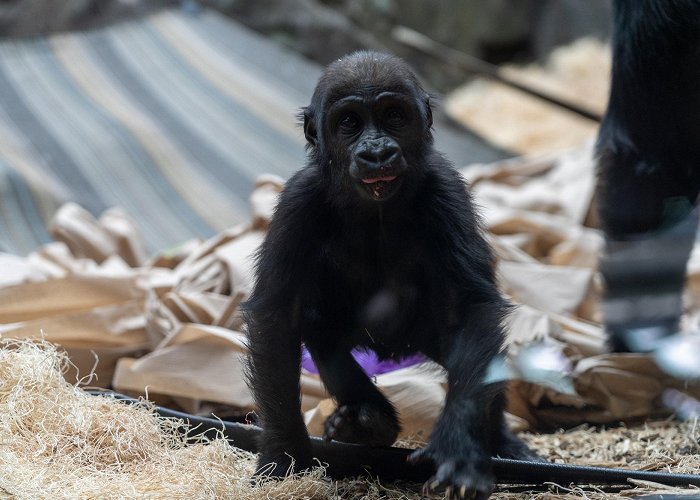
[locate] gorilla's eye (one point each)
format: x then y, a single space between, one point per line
395 117
349 123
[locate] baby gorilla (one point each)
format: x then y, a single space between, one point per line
375 244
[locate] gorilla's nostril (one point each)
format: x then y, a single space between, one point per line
388 154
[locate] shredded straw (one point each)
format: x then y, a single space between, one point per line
56 441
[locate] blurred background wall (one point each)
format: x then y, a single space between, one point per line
322 30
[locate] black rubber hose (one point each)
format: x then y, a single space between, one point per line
348 460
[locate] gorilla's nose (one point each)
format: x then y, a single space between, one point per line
378 154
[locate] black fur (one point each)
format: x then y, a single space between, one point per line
649 161
399 267
649 142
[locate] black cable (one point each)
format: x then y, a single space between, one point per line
348 460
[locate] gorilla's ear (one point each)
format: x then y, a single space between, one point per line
310 128
428 112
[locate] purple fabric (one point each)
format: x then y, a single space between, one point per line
368 361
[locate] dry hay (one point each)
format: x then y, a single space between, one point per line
58 441
665 446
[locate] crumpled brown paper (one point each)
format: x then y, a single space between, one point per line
171 325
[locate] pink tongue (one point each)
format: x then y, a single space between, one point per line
386 178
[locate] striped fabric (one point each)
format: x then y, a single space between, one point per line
171 117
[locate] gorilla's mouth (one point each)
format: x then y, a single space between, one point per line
380 186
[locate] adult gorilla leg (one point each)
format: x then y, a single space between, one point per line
649 168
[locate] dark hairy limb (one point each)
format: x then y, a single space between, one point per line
649 168
364 415
468 432
274 370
